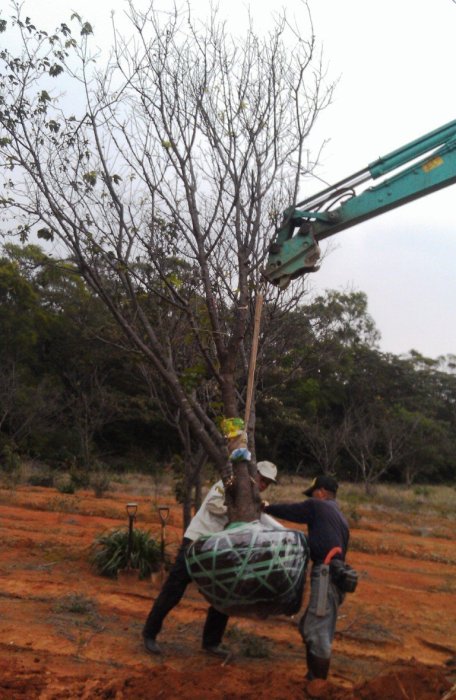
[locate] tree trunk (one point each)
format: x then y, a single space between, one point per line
242 494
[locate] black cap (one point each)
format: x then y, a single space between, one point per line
322 482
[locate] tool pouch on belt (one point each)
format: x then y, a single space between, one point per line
323 585
344 577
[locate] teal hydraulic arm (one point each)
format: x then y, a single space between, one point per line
295 250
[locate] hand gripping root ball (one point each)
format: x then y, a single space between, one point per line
250 570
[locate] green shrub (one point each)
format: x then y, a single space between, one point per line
109 553
10 461
10 467
37 473
100 482
64 483
79 476
422 491
41 478
354 517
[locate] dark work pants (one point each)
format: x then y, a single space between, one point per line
171 593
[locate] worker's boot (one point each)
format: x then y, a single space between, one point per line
310 676
317 667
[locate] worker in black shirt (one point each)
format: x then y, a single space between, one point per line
328 536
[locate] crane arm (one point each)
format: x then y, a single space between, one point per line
294 250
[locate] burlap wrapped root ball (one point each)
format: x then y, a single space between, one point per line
250 570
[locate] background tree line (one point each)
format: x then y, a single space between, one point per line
72 392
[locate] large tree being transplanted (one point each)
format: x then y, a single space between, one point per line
161 172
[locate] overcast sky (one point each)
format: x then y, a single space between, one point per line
395 61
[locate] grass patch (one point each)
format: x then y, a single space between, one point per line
368 631
77 618
62 504
360 545
248 644
75 603
351 497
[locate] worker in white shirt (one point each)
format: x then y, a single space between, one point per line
211 517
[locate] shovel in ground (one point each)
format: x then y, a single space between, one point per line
129 572
163 514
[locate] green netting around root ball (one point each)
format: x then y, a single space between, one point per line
250 569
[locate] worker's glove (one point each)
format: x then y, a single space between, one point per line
264 504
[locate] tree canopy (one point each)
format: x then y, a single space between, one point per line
162 178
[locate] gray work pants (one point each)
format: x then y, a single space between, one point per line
318 631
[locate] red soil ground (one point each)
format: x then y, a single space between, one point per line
396 635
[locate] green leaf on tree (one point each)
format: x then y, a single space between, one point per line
45 234
90 178
56 69
86 29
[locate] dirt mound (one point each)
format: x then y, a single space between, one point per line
414 681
